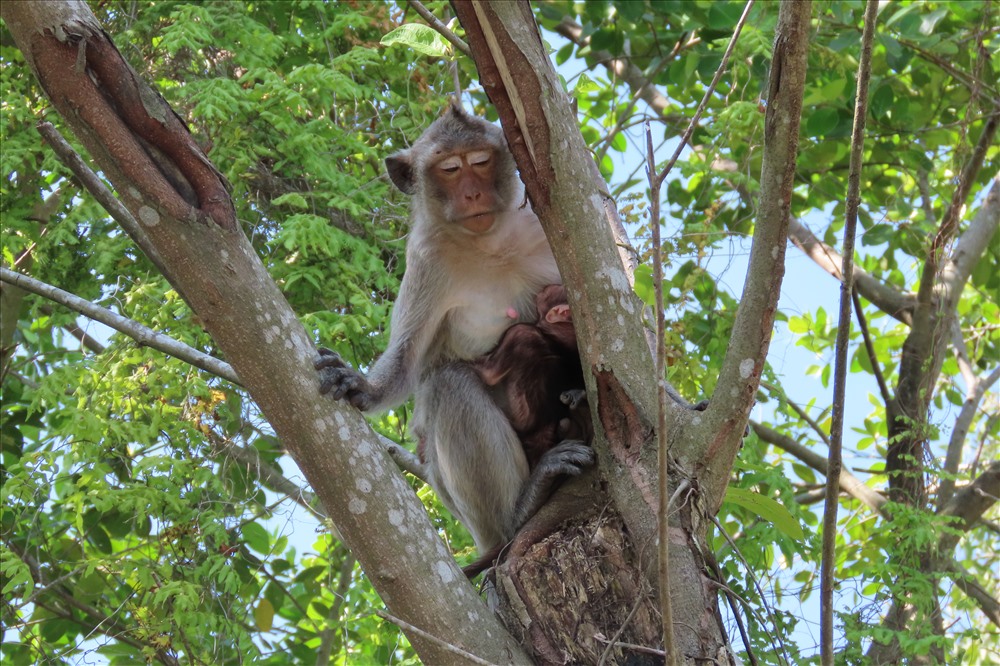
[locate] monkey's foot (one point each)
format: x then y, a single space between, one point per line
569 457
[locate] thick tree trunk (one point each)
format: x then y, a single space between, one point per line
186 218
593 582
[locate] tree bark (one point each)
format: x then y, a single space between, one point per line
572 202
183 206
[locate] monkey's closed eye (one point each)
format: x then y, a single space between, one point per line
479 158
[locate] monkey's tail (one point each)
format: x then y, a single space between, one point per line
488 559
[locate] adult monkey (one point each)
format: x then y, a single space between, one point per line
475 258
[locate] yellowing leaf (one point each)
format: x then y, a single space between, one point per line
263 615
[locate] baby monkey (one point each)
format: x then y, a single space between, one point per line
531 369
537 381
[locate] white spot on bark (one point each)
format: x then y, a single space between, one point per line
621 320
696 420
746 368
364 485
617 345
357 506
148 216
627 304
395 517
599 308
445 571
321 424
734 393
134 192
224 254
775 252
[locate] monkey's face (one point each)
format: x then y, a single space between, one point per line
460 173
465 184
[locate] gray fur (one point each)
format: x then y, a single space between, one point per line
453 307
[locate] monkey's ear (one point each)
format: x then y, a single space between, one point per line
400 168
558 314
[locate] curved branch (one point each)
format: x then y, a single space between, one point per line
849 483
896 304
974 396
970 503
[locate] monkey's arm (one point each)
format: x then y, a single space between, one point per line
417 318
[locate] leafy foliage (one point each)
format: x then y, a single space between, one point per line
140 518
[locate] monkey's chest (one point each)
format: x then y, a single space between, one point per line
480 317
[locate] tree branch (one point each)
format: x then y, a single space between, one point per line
894 303
142 334
835 454
859 312
973 397
751 335
440 27
970 247
624 70
147 337
970 503
923 350
849 483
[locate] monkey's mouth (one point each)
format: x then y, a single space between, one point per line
479 224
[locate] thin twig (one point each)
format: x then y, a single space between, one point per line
441 28
803 414
663 518
708 93
835 455
883 387
777 644
406 626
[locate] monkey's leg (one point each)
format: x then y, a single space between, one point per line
476 462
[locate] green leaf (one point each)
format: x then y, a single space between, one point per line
822 121
768 509
256 537
644 284
293 199
420 38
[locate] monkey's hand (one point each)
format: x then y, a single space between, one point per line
341 380
573 398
